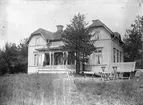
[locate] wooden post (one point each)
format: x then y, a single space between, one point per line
63 58
43 59
50 58
66 58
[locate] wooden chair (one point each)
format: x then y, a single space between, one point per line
104 74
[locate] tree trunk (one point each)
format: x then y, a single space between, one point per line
83 65
77 67
77 63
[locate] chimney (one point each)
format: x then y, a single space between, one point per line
97 20
60 27
93 21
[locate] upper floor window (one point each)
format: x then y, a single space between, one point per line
96 35
37 40
114 55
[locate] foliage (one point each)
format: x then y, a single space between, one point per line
13 59
133 41
78 38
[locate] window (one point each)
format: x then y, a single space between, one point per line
114 55
37 40
120 56
96 34
97 56
117 55
36 59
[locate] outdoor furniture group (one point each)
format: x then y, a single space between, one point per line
114 71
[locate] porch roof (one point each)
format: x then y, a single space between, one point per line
54 49
50 49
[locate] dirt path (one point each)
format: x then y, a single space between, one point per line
66 92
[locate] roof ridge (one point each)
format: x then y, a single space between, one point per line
100 23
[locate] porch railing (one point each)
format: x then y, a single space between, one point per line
56 67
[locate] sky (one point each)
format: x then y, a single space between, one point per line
19 18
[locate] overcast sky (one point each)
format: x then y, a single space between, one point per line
19 18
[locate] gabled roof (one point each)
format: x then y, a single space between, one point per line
54 36
47 35
98 23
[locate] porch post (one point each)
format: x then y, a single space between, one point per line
66 58
43 59
50 58
63 58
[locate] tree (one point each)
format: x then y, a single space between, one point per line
9 57
13 59
133 48
77 37
23 55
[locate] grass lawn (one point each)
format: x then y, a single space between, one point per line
43 89
126 92
23 89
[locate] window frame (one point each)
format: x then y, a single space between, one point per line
97 54
114 55
36 59
37 41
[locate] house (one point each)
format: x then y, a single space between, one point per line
45 54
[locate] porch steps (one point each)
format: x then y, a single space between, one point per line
51 71
54 70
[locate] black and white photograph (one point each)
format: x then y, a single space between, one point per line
71 52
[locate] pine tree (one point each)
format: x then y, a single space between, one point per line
77 37
133 49
13 59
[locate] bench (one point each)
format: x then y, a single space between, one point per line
121 67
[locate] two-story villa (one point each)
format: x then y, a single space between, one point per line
45 54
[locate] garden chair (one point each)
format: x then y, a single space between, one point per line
104 74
